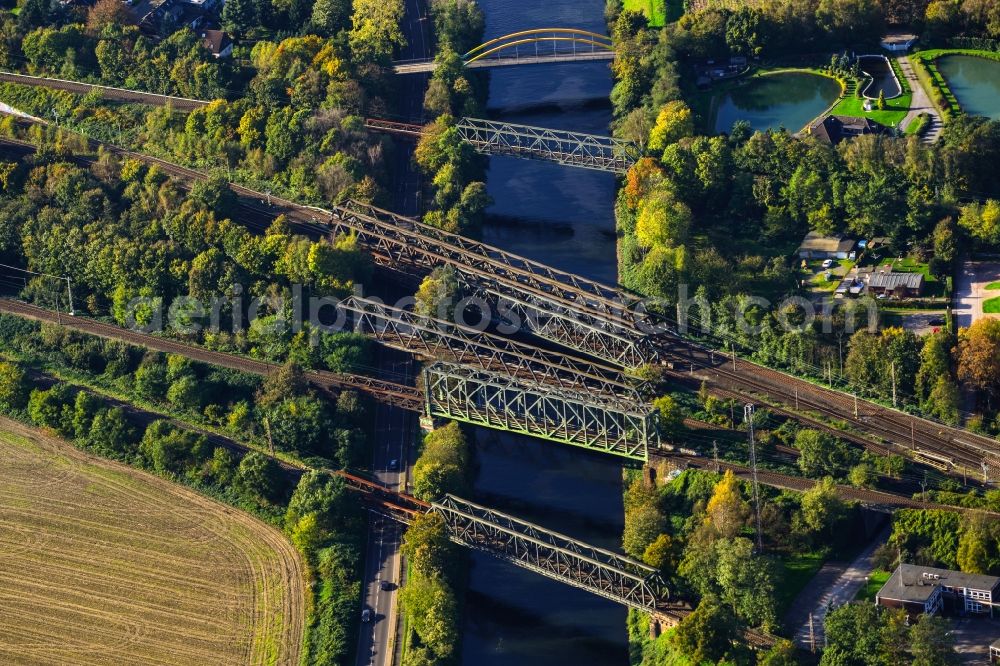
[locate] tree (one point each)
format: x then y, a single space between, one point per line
881 100
660 554
705 634
239 16
852 635
106 13
823 455
376 30
982 221
443 464
437 293
110 432
430 605
822 510
783 653
932 642
746 582
670 413
674 122
643 525
662 220
426 545
171 450
151 378
321 494
329 16
14 386
979 355
258 478
727 511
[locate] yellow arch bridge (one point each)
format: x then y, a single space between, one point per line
537 46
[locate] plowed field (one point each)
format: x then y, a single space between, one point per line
102 564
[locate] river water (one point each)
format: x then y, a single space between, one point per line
564 217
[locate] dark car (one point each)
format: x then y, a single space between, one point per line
386 586
936 321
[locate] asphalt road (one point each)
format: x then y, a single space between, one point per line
393 433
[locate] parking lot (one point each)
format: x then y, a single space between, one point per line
971 291
973 637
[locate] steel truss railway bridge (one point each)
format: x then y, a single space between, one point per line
556 556
491 137
527 47
603 323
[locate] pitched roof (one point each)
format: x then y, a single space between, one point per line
892 280
816 242
834 129
911 582
215 40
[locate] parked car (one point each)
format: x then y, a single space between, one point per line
936 321
394 464
827 263
366 615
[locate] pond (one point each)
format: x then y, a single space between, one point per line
975 83
883 80
790 100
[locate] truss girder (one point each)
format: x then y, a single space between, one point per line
504 403
442 340
587 316
551 554
589 151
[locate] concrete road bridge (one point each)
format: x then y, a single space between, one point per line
491 137
527 47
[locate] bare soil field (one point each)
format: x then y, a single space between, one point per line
103 564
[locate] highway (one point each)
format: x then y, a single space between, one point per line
394 430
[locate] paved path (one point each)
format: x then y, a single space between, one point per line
834 585
921 103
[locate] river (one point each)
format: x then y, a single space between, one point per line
564 217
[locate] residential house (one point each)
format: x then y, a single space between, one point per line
995 652
218 42
898 42
818 246
834 129
895 285
918 589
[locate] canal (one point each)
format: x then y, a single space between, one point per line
564 217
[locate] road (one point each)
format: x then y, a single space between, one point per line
836 593
393 433
919 103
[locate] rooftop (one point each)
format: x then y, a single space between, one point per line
911 582
815 242
893 280
834 129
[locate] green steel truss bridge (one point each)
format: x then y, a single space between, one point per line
491 400
527 47
553 555
490 137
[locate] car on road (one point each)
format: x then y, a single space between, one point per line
366 615
936 321
827 263
386 586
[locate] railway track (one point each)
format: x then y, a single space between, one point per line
872 498
406 397
393 239
107 92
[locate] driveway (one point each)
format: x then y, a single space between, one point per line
921 103
970 291
833 586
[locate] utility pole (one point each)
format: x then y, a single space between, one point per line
732 352
913 437
748 417
69 292
267 429
923 487
715 454
855 405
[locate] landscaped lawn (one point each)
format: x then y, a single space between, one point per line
799 570
875 582
932 286
895 109
659 12
992 286
992 306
